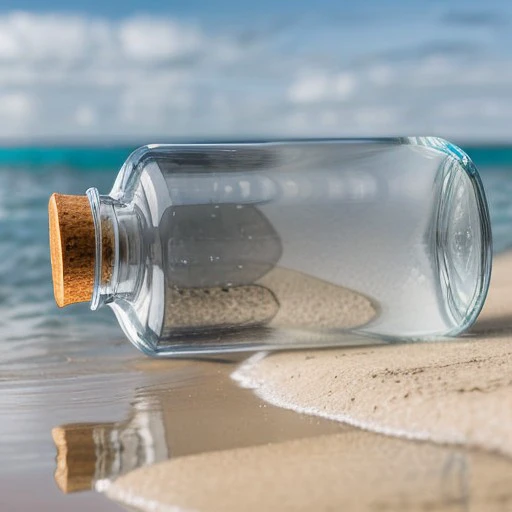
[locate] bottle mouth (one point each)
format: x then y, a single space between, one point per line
106 238
463 242
94 200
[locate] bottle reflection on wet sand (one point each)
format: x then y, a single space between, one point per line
88 453
188 407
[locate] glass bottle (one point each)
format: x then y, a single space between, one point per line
205 248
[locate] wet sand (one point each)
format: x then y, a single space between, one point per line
190 408
130 411
457 392
354 470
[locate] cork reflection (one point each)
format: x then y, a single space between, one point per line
88 453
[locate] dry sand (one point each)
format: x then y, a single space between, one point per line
458 391
450 392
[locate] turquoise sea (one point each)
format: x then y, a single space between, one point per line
33 329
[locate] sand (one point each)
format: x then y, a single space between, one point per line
282 298
351 471
457 392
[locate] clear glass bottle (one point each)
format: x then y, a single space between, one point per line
220 247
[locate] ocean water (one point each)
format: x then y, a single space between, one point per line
34 332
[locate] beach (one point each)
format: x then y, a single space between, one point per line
264 220
89 422
435 432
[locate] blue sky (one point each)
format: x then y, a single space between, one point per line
140 69
197 8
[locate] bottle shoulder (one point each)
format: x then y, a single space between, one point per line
141 190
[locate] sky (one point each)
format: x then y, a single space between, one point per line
148 70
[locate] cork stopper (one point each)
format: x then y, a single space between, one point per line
77 455
72 248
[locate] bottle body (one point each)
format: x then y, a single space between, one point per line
249 246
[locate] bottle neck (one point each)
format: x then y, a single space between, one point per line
118 262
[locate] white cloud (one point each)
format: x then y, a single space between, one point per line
151 39
317 86
43 37
15 107
75 75
344 85
310 87
85 116
381 75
